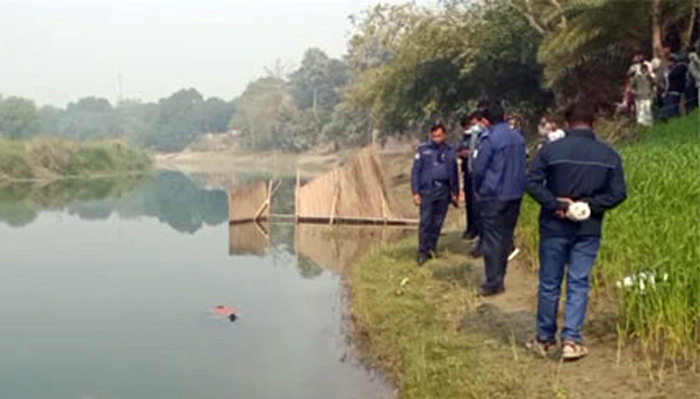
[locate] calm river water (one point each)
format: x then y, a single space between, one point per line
107 290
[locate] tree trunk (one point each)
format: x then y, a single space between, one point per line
315 106
692 25
657 28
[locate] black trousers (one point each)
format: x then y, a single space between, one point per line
433 210
472 221
498 221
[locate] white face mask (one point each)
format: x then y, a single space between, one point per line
476 129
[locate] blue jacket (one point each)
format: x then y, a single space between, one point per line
435 170
582 168
500 166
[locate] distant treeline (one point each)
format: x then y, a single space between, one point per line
168 125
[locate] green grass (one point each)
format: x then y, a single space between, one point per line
656 230
45 159
414 331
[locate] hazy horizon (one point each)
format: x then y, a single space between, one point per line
57 51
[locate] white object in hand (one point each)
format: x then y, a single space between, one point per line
578 211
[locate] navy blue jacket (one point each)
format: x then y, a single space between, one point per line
435 170
582 168
500 166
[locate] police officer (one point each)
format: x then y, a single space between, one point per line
435 183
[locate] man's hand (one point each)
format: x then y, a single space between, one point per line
561 213
455 201
416 199
463 153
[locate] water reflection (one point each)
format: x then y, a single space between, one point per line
171 197
129 303
316 247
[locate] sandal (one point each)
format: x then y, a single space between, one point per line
571 350
540 348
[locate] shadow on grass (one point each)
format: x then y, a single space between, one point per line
508 327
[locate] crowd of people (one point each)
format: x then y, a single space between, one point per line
668 83
575 178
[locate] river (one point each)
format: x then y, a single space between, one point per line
107 290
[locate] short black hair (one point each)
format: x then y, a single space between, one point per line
639 52
494 113
580 113
477 114
437 126
467 118
483 104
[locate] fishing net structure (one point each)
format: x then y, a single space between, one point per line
250 203
355 192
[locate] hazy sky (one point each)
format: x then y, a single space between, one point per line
56 51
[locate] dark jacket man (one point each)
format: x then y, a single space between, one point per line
467 149
499 175
578 168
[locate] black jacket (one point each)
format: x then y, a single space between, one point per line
582 168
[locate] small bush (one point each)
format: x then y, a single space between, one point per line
51 158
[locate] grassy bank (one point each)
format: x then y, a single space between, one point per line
410 322
45 159
657 230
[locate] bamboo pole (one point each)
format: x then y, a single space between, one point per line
336 191
296 197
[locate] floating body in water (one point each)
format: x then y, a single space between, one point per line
227 311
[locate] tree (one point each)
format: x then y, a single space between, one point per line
216 115
442 61
178 121
19 118
591 41
89 118
317 83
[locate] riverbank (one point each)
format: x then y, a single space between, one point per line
49 159
429 332
233 162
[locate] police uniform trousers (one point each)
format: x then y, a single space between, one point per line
433 210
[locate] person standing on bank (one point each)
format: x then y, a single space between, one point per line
435 184
467 149
575 180
499 176
642 76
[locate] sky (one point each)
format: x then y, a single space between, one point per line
56 51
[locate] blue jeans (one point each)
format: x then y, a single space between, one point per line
672 105
579 253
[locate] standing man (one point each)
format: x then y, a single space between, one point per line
583 171
642 78
675 86
499 175
467 148
435 184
